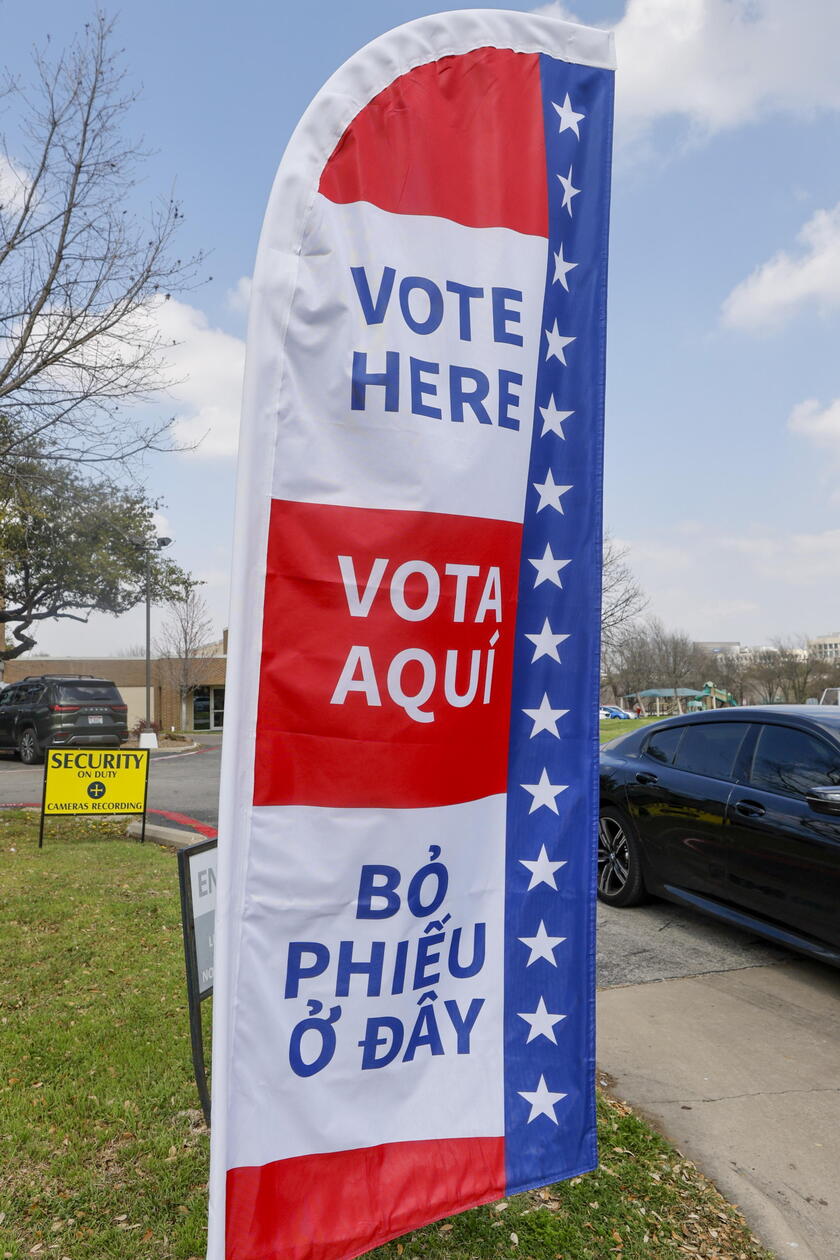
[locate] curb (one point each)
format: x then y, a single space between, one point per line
156 752
169 837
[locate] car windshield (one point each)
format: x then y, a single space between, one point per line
88 693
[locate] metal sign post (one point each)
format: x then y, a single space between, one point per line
197 878
94 782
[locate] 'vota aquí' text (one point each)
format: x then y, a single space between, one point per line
464 681
421 385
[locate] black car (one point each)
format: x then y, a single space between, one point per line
61 711
735 812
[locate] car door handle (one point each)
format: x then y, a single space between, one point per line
750 809
644 776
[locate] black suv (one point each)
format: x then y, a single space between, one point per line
61 711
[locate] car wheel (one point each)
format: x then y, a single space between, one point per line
30 753
620 880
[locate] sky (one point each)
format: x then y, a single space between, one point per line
723 375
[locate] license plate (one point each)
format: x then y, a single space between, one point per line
95 719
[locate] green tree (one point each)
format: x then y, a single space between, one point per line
69 547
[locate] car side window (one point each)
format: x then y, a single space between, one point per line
10 695
711 748
791 761
662 745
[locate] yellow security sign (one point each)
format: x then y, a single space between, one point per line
96 781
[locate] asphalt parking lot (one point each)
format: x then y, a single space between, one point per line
183 783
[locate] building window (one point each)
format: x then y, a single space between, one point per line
208 708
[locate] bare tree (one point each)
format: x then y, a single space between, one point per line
729 671
80 276
800 670
629 663
765 675
622 599
677 659
132 652
182 646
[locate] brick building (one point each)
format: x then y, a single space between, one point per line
202 708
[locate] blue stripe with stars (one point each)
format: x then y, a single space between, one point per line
553 765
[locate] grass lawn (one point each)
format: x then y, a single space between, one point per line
623 726
103 1152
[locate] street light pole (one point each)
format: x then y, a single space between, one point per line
149 637
148 545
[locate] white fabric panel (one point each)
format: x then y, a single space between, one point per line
376 458
303 862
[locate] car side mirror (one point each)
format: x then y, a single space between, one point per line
824 800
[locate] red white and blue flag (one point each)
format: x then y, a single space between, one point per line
404 996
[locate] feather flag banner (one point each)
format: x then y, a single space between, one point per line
404 967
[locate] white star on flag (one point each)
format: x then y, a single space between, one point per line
542 945
545 718
556 348
546 642
542 871
569 191
548 569
553 419
542 1022
542 1101
550 493
562 268
544 793
568 118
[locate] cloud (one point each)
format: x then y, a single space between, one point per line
779 288
820 424
207 364
721 63
161 525
751 587
14 182
239 297
801 560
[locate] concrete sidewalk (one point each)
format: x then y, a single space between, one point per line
741 1071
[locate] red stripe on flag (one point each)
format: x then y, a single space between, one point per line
461 138
322 744
338 1205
